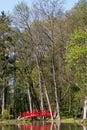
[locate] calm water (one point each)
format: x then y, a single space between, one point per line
43 126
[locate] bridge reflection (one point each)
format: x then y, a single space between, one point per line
47 126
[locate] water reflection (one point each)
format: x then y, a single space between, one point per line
9 127
44 126
52 126
47 126
71 127
84 128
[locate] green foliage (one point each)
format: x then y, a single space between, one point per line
77 15
76 48
65 114
76 59
6 114
19 101
35 75
77 105
79 37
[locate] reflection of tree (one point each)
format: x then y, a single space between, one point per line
57 126
3 127
84 128
69 127
51 127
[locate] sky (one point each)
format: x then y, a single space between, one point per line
8 5
70 3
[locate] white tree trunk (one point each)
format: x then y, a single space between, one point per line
57 101
41 93
29 99
85 109
84 128
48 101
40 84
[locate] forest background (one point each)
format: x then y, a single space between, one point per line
43 59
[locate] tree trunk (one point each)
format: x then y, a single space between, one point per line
3 101
29 99
85 109
48 101
56 96
53 69
40 84
41 93
55 85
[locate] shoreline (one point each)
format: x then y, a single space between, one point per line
15 121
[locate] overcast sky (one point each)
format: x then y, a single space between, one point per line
8 5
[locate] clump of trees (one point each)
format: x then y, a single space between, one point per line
43 59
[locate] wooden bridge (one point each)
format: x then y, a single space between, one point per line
35 114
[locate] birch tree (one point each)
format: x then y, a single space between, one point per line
49 10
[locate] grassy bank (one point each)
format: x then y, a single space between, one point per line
69 120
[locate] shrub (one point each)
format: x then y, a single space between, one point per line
6 114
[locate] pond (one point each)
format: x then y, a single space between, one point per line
43 126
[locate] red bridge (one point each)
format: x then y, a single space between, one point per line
35 114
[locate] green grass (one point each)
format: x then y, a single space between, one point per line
66 120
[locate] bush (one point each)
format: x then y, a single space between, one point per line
6 114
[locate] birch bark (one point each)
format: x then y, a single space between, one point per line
29 99
85 109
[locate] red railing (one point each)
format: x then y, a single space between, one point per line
35 113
